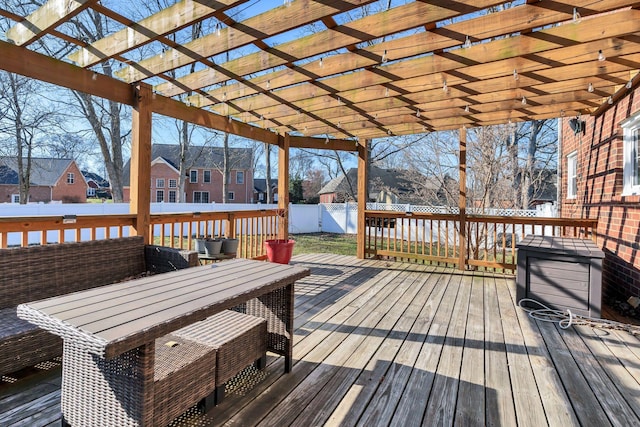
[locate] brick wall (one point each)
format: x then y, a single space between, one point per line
66 192
599 194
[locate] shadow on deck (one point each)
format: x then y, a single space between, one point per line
379 343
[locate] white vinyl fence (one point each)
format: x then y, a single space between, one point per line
331 218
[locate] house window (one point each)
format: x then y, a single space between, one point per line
260 196
173 183
159 196
70 178
239 177
231 195
193 176
15 198
160 183
631 133
572 175
172 196
200 197
207 176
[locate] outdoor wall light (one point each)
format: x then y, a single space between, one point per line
577 125
69 219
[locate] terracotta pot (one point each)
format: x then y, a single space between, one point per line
279 251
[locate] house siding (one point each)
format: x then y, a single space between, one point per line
599 194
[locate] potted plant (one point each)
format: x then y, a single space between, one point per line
279 250
199 244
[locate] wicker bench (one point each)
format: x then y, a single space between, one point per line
37 272
239 340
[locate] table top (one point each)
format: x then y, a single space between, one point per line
561 245
112 319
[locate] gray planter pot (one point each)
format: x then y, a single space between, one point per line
212 247
229 246
199 246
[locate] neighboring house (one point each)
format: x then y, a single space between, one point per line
385 186
97 185
57 180
600 170
203 176
260 190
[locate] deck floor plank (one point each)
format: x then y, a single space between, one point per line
500 408
378 343
527 402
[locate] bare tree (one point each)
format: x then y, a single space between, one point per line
26 119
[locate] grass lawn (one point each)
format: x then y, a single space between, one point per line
341 244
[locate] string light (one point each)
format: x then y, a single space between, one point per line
590 89
268 84
386 92
287 3
218 29
445 88
601 56
326 139
576 15
389 132
162 53
94 76
466 108
224 96
339 125
629 84
524 100
384 57
340 101
610 100
321 63
515 74
467 43
417 113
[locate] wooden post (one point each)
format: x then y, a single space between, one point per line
363 193
283 185
140 178
462 199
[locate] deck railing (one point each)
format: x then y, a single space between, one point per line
490 241
178 230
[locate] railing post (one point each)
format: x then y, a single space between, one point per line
283 186
231 226
462 200
363 190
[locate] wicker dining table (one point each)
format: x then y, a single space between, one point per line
109 332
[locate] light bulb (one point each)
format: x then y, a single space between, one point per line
466 108
601 56
524 100
268 84
321 63
94 76
590 89
467 43
418 113
326 140
218 29
445 88
576 15
384 57
629 84
515 74
386 91
610 100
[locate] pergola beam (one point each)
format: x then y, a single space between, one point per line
48 16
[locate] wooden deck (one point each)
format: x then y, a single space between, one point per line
380 343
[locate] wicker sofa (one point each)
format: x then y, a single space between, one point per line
38 272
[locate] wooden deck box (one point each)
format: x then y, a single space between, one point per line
562 273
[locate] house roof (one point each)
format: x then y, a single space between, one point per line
44 172
260 184
391 178
100 181
198 156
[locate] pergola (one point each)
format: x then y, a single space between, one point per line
414 67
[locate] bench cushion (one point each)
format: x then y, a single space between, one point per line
17 338
240 339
